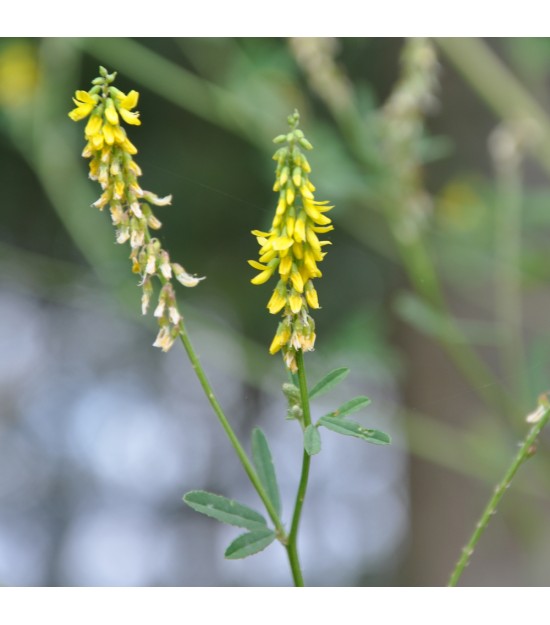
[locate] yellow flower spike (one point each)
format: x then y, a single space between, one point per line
113 167
293 242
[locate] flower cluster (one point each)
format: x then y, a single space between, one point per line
403 132
292 248
113 167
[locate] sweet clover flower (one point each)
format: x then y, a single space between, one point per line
292 249
113 167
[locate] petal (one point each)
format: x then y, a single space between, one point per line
297 281
129 117
282 243
264 276
295 302
108 134
277 302
311 296
93 127
85 97
111 114
286 265
129 147
130 101
257 265
81 111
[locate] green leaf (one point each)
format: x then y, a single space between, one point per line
351 428
263 462
250 543
353 405
312 440
330 380
224 510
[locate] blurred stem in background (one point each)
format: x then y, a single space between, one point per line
501 90
506 149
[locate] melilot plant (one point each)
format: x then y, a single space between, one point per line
291 250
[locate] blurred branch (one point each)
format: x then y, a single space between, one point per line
506 148
500 89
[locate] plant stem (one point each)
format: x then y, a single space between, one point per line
508 276
422 274
499 87
291 547
526 451
241 453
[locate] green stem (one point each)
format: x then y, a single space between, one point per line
508 275
526 451
499 87
249 469
292 548
422 274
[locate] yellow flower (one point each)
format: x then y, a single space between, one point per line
85 104
125 106
292 246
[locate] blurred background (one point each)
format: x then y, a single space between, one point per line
436 154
